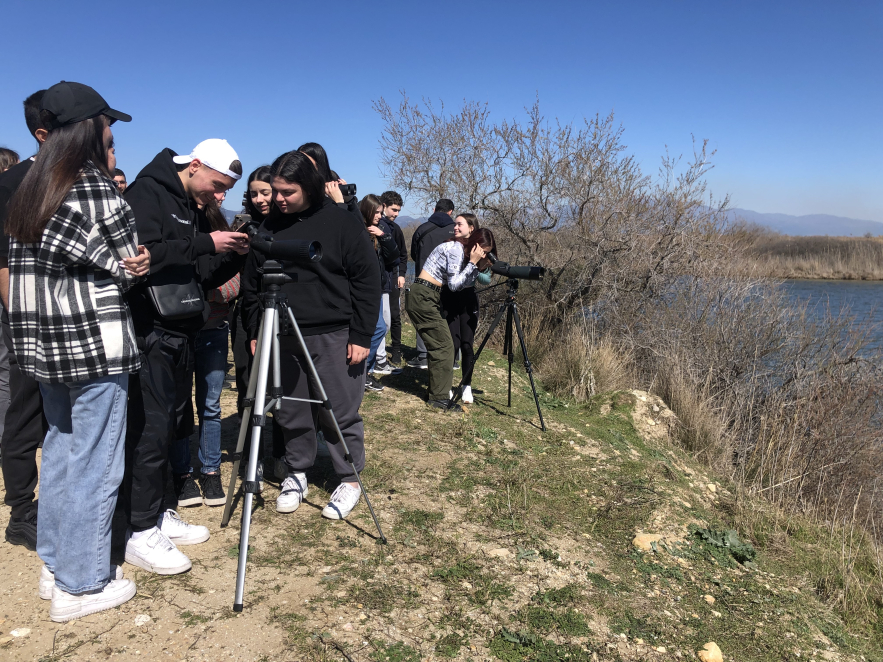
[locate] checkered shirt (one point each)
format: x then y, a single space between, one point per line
67 314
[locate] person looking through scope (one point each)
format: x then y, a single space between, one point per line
454 263
336 302
461 307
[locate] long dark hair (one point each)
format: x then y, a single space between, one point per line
316 152
481 237
56 168
261 174
368 207
296 168
215 216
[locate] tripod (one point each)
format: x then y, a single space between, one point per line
275 304
510 307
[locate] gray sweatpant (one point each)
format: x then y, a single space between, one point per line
344 385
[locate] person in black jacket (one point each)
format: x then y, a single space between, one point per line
437 230
387 258
392 206
336 302
24 423
166 196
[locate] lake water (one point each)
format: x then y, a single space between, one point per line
864 297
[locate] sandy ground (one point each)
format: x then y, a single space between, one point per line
186 617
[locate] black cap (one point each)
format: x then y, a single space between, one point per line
75 102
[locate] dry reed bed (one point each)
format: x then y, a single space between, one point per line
836 258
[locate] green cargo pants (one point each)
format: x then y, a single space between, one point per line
422 304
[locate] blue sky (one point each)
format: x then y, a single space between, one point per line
790 94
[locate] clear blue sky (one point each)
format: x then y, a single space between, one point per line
789 93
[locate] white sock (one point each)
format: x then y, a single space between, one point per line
139 534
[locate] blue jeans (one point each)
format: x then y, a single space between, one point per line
80 476
376 339
210 358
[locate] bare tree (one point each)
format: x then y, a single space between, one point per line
565 197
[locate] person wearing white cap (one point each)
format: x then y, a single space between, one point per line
167 197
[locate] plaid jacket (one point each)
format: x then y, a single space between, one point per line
67 314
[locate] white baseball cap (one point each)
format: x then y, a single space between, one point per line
215 153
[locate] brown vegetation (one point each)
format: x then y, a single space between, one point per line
787 403
770 254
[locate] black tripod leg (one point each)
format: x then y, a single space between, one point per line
326 403
509 346
243 430
468 376
527 365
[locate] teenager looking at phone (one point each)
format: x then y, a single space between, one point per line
455 264
166 196
209 349
336 302
73 252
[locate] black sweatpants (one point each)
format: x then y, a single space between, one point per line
344 385
25 427
156 415
461 313
395 316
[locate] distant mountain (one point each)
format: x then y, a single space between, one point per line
405 221
813 224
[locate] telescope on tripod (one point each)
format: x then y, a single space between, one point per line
513 320
277 318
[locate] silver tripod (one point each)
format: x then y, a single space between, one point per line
274 303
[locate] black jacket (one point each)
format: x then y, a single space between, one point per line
9 183
340 291
399 237
436 231
387 256
176 233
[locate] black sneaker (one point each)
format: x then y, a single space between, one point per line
187 490
372 384
212 490
23 531
417 362
446 405
456 365
395 357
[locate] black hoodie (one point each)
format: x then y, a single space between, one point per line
176 233
340 291
436 231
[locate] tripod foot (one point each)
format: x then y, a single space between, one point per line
237 607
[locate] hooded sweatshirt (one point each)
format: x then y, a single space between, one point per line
176 233
437 230
340 291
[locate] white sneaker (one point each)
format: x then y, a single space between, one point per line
294 490
342 502
180 532
467 395
156 553
66 607
47 581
